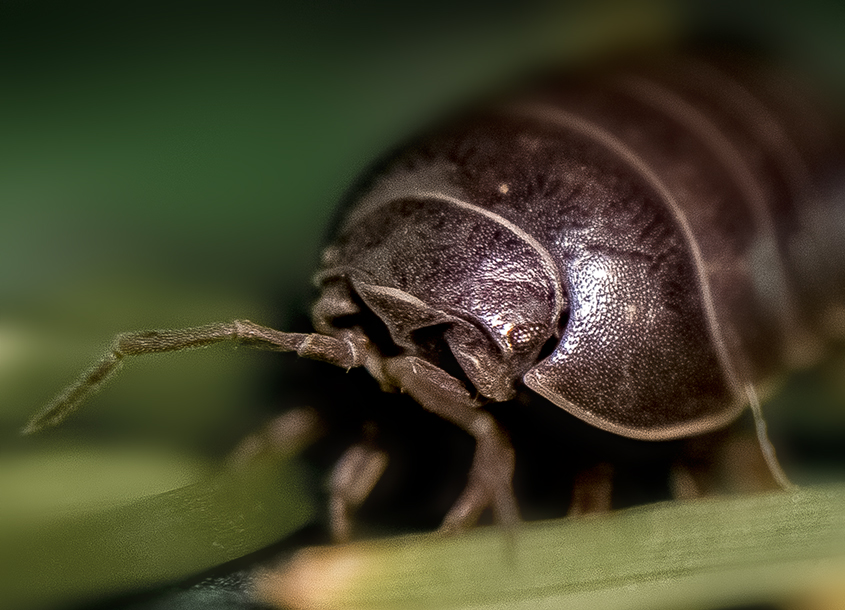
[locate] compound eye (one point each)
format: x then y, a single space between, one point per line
524 338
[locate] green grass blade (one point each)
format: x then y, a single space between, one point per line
72 557
701 554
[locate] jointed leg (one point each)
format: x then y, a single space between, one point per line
490 476
489 480
341 352
282 436
352 480
592 490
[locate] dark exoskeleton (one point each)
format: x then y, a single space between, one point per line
648 247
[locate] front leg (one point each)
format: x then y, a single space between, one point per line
490 478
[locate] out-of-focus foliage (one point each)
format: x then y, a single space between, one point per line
74 549
702 554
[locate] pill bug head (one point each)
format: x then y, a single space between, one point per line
430 277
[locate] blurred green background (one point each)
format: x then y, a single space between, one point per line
164 165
